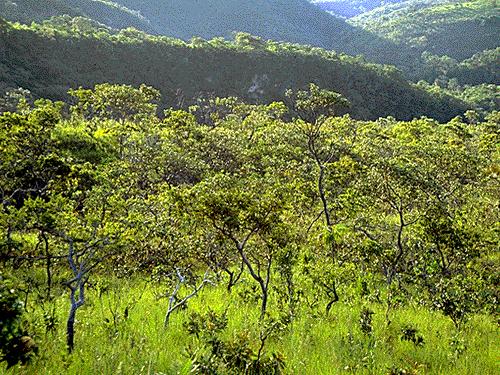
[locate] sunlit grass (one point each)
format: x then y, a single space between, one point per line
314 343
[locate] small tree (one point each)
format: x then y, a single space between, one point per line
313 109
115 102
315 104
90 236
248 41
244 211
81 260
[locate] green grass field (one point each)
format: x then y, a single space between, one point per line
313 343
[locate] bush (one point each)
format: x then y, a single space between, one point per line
15 345
215 354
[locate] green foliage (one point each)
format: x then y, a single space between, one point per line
114 102
76 52
15 345
275 19
17 100
395 32
227 204
316 103
458 29
410 333
210 323
483 98
214 355
457 297
365 321
103 11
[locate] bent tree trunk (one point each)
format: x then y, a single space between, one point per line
172 306
263 282
332 294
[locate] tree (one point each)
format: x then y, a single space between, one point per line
313 108
115 102
246 212
17 100
91 236
248 41
315 104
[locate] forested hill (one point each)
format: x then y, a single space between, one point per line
49 59
296 21
456 28
480 68
103 11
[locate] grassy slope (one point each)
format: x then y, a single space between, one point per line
48 62
315 345
457 28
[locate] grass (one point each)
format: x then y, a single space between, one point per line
313 344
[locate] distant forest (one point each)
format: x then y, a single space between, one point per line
51 57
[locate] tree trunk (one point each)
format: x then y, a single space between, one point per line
256 276
263 306
321 190
48 265
70 328
231 278
334 297
234 277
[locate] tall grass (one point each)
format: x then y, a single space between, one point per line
107 342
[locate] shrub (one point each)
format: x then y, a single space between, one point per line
15 345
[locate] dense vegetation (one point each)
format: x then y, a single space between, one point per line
51 57
294 21
103 11
480 68
227 239
181 195
455 28
430 26
474 81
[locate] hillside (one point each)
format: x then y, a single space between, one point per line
483 67
456 28
50 58
103 11
480 68
198 187
295 21
249 244
351 8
